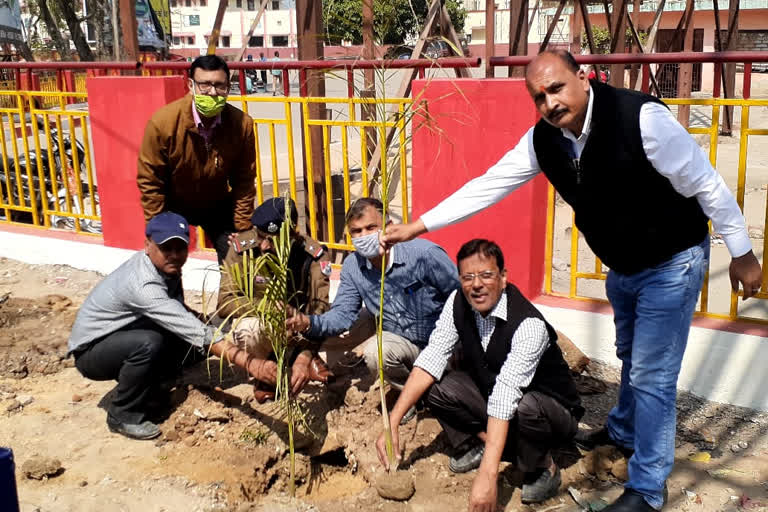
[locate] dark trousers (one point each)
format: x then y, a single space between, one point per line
219 236
217 222
540 424
138 358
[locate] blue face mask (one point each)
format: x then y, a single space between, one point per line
367 246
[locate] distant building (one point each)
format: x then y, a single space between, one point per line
192 22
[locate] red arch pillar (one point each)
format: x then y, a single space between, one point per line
119 108
476 121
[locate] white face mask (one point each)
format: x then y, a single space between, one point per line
367 246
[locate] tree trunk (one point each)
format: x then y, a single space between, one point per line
73 23
97 15
25 51
62 46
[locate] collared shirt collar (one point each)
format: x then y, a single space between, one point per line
391 260
568 134
499 310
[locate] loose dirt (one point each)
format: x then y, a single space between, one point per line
220 450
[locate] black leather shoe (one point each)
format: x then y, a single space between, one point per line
469 457
589 439
630 501
142 431
540 486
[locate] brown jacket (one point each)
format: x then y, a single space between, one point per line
309 287
177 172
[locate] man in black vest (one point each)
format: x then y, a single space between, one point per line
512 395
642 191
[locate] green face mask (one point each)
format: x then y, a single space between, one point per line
209 106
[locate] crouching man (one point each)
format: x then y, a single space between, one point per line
511 397
135 328
308 288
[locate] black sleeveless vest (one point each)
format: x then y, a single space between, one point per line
630 215
552 375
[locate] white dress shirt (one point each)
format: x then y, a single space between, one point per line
529 342
668 146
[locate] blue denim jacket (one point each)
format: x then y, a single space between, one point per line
418 283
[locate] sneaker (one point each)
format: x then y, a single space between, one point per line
540 486
141 431
469 457
589 439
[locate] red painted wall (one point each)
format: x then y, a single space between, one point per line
478 122
119 110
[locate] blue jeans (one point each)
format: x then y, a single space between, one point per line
652 312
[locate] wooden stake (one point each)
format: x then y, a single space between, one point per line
552 25
449 33
608 20
637 47
729 90
490 35
254 23
368 110
588 30
403 92
309 24
618 40
575 30
213 41
640 48
518 33
685 71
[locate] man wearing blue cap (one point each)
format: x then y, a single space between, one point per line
309 287
135 328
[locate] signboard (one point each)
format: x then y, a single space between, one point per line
10 22
150 33
162 11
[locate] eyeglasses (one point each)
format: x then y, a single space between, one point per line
207 87
486 277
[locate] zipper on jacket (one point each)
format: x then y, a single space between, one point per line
577 166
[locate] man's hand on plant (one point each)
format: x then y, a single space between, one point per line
296 321
381 444
263 370
300 371
396 233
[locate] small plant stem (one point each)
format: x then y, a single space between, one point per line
293 455
391 456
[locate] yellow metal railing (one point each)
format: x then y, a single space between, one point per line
7 85
596 272
274 166
80 80
46 169
48 83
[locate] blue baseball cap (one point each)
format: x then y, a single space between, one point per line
166 226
